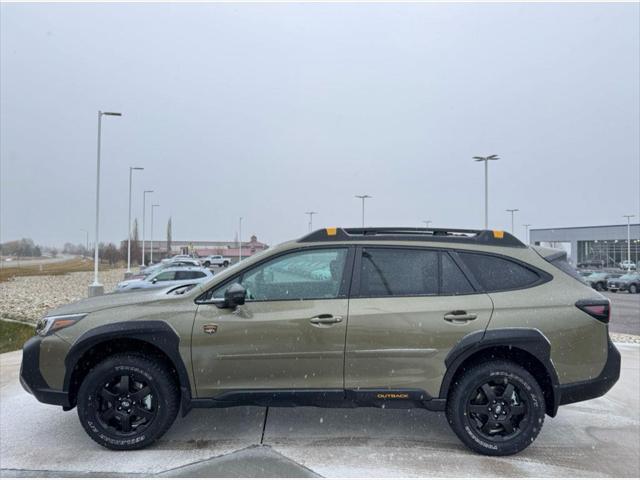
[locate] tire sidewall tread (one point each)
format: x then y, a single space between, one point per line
154 371
456 408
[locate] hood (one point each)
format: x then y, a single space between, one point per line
110 300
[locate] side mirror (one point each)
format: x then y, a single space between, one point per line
154 280
235 295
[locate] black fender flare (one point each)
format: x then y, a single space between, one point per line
530 340
155 332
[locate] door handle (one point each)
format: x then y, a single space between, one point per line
459 316
325 320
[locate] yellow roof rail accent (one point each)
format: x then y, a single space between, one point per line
332 231
498 234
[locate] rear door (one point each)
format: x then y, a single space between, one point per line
409 308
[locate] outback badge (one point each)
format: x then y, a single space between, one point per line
210 328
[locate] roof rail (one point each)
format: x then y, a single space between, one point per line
453 235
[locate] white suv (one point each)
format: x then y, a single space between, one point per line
627 265
215 260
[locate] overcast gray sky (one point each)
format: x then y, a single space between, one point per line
267 111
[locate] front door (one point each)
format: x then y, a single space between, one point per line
409 308
290 333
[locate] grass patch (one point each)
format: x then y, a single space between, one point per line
56 268
13 335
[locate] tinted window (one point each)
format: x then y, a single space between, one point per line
495 273
295 276
165 276
401 272
563 264
453 280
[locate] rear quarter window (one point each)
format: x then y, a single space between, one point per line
497 273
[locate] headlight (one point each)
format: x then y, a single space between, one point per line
47 325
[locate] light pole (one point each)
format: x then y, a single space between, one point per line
526 232
363 198
427 222
486 185
512 211
96 288
629 217
151 249
311 214
144 212
131 169
86 248
240 240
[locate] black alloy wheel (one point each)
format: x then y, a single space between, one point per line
128 405
128 401
496 409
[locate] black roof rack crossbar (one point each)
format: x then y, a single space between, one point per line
454 235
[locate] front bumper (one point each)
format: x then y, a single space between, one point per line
596 387
32 380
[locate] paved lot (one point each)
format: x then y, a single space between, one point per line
596 438
625 313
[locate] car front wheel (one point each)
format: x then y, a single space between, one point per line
633 288
496 408
127 401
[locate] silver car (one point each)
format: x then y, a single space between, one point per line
167 278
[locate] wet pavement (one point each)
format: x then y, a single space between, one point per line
600 437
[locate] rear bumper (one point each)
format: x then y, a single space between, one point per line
32 380
596 387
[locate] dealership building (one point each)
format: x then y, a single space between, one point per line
607 243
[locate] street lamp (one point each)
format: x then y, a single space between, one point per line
427 222
151 249
96 288
363 198
240 240
486 185
86 248
311 214
526 232
131 169
512 211
144 212
629 217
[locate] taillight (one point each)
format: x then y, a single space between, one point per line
598 309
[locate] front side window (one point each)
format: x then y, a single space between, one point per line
308 274
496 273
165 276
398 272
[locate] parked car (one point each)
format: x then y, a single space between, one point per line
629 282
215 260
598 280
167 277
627 265
592 263
474 323
157 267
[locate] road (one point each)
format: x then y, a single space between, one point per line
599 438
625 313
15 263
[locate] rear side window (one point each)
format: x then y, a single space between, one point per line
561 262
398 272
453 280
496 273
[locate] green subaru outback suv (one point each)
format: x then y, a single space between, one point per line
473 323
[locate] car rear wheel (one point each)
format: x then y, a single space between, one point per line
600 287
633 288
225 264
496 408
128 401
207 264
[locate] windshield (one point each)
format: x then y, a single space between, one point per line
628 276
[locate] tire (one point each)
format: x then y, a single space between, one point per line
207 264
633 288
225 264
101 409
467 402
600 287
